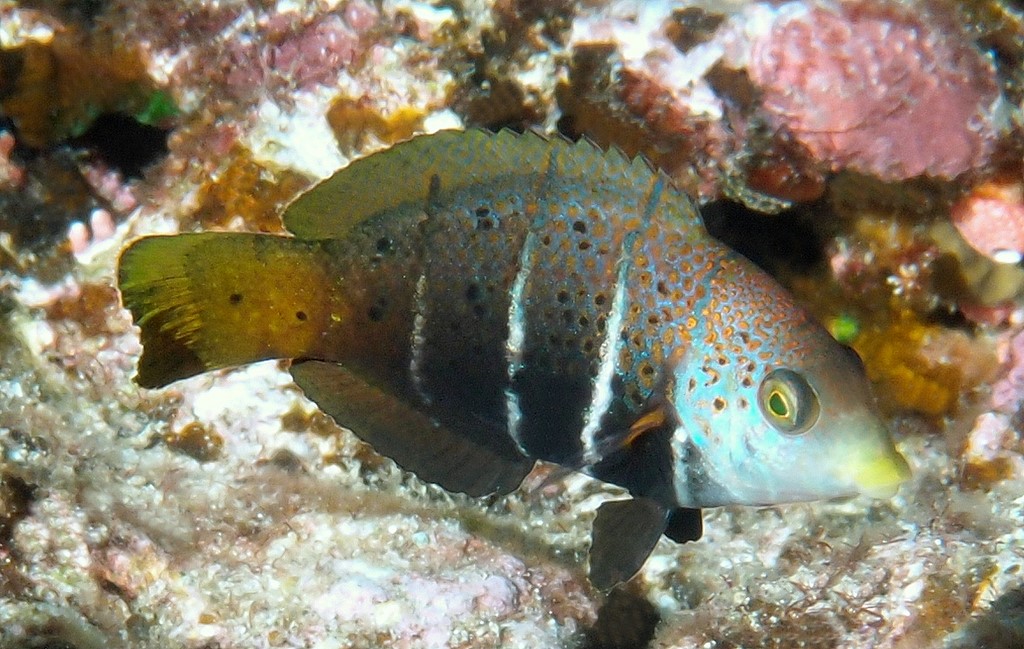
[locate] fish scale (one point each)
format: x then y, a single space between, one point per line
562 349
464 315
461 343
469 303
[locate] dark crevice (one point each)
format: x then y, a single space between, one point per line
774 242
82 12
626 620
122 142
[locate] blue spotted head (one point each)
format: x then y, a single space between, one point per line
772 408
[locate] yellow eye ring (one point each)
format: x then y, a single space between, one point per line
788 401
778 404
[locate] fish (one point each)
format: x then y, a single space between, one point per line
470 303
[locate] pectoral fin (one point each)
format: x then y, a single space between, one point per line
625 532
476 462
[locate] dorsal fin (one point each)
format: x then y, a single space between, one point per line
408 173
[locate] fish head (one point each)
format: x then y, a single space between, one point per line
778 411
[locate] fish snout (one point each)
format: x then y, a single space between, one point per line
880 474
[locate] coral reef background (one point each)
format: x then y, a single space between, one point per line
869 153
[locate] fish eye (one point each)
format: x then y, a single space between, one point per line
788 401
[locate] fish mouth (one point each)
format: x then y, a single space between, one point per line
879 476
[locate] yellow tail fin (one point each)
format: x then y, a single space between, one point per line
216 299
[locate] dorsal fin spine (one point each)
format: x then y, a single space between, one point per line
395 179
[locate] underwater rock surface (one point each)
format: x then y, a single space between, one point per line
227 512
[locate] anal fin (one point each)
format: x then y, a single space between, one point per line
436 452
625 532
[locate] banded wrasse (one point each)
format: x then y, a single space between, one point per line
469 303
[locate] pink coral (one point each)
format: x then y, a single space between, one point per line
288 48
101 228
1008 392
12 176
361 15
877 89
111 186
316 53
991 218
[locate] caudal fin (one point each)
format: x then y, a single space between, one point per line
211 300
